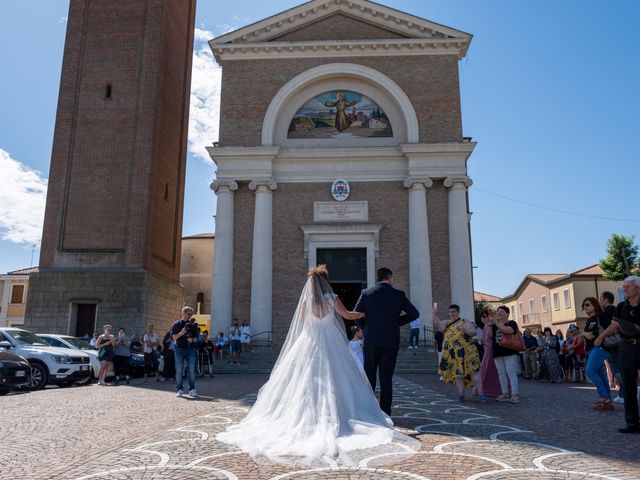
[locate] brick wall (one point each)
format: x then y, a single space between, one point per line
117 168
430 82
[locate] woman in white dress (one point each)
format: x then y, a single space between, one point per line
317 404
355 345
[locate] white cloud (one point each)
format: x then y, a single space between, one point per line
204 111
22 200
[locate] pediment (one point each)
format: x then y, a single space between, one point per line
337 27
311 18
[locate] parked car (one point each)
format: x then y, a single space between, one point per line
14 370
67 341
58 366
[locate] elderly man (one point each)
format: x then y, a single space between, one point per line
627 322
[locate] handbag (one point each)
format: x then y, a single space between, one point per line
513 341
612 341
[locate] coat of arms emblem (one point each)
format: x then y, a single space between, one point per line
340 189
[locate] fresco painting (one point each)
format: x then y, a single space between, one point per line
340 114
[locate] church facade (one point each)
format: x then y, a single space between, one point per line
341 142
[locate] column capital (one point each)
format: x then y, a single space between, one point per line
267 183
411 182
224 184
465 182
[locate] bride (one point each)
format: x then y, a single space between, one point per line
317 404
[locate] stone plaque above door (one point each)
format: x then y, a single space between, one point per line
340 212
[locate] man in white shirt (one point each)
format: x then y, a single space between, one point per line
415 332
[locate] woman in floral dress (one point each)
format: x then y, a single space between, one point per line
460 363
549 363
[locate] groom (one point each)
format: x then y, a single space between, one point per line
382 306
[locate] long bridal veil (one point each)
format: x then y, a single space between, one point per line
317 408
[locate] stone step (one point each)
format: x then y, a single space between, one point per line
261 360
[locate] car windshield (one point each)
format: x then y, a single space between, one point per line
27 338
79 343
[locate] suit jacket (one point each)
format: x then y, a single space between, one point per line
383 306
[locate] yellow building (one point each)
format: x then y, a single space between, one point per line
13 292
196 266
554 299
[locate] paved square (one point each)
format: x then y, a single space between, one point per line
143 431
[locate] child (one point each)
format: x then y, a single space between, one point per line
355 345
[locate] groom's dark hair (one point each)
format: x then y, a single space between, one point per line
384 273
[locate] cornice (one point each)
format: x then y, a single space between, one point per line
339 48
363 10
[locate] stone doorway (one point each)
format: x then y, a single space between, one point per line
347 274
84 315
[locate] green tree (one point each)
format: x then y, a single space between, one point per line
479 309
622 258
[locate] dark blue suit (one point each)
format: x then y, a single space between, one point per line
383 306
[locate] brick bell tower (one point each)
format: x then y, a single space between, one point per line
113 223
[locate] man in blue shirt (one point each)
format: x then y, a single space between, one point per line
185 333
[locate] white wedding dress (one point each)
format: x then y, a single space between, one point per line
318 405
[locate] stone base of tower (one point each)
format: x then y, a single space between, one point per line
70 302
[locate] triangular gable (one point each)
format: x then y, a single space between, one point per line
380 16
350 29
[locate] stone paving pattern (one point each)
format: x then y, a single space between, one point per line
142 431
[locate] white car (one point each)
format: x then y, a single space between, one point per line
67 341
58 366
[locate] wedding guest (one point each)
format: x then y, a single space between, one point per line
94 339
414 326
597 355
549 362
607 302
356 345
529 355
460 364
121 356
627 323
136 345
506 359
168 353
221 342
208 346
105 345
438 338
575 354
488 370
185 333
235 335
150 341
245 336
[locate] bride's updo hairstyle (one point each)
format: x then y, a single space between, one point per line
319 277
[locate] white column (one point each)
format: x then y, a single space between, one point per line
419 250
222 281
460 246
262 260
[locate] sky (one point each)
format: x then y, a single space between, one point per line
549 91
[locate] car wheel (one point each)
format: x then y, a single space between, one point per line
38 377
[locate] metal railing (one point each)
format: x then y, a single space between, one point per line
268 343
